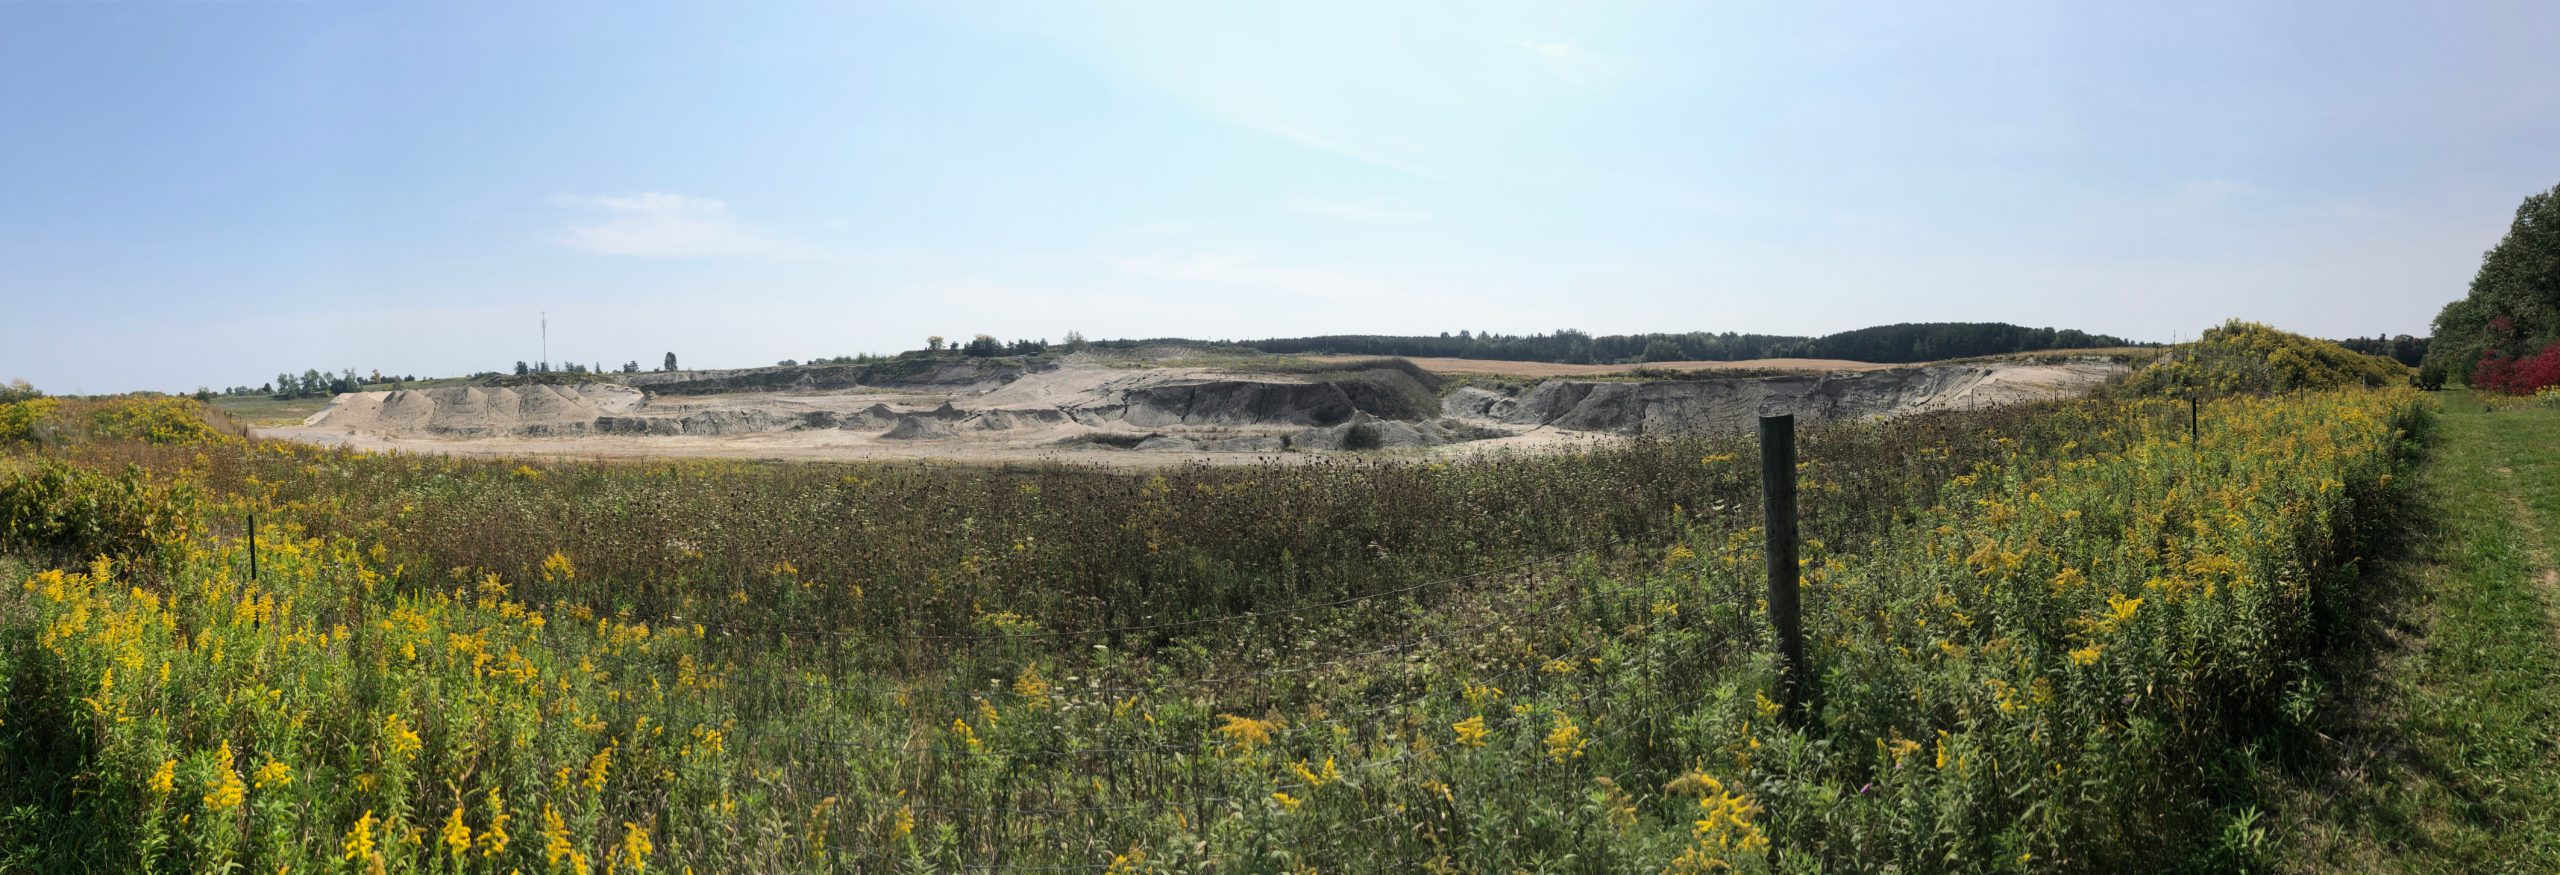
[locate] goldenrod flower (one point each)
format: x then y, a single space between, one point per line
1471 731
1565 741
1031 686
1246 733
1287 802
359 841
557 567
555 839
904 824
272 775
634 850
599 767
165 779
224 791
1130 863
1317 777
457 837
398 738
493 841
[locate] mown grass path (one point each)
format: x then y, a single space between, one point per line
2440 751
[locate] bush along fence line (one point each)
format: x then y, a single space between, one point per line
2026 668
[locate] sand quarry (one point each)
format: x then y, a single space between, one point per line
1142 413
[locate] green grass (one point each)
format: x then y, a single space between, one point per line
266 412
2439 753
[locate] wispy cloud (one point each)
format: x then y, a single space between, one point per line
662 225
1559 51
1571 63
1356 210
1322 144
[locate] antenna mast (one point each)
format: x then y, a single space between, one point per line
546 339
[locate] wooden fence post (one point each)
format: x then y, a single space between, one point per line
1778 509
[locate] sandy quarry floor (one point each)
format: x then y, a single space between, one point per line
358 422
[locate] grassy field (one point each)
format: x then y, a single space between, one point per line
2038 632
2442 754
267 412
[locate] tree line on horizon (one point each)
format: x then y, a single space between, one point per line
1900 343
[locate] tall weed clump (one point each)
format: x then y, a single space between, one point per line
2238 358
2046 672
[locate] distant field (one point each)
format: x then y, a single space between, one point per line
262 411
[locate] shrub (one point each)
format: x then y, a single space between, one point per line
2523 375
25 421
156 420
2248 358
68 511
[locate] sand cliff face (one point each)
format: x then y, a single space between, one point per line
1720 404
936 408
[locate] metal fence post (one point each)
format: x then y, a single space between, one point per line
253 546
1778 509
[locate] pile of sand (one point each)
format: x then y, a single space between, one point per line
471 411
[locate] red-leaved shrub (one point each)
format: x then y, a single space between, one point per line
2520 376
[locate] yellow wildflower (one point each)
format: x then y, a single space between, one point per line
555 838
557 567
1724 829
493 841
1287 802
2087 655
1565 741
359 841
1317 777
224 791
1032 687
457 837
272 775
599 767
1246 733
1901 748
401 740
2120 610
1471 731
904 825
635 847
165 779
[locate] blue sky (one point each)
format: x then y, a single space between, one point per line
211 192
